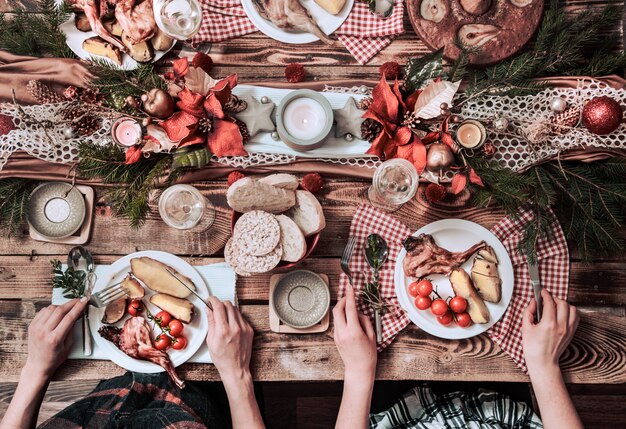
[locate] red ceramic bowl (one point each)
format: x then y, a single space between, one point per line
311 243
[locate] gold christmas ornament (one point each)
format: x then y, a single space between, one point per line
158 103
439 157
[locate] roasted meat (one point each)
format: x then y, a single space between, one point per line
94 10
291 15
134 340
136 19
424 257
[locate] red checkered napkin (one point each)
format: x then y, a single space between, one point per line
366 221
222 20
553 264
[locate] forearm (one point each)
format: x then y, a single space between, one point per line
355 403
244 409
555 404
24 407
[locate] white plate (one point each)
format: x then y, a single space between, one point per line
326 21
455 235
195 332
75 38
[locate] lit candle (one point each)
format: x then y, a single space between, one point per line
471 134
126 132
304 118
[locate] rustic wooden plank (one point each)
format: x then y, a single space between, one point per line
597 354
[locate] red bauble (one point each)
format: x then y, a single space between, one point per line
602 115
234 176
6 125
435 193
312 182
295 73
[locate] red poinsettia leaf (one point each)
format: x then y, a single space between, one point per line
378 145
406 152
225 139
192 139
391 150
213 107
385 104
169 76
180 125
459 181
447 139
403 136
180 67
190 102
411 100
419 155
222 89
475 178
389 128
398 94
431 137
202 61
133 154
444 124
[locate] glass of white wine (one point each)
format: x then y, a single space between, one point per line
395 182
179 19
183 207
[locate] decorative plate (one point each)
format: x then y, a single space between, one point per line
301 299
327 22
455 235
56 209
195 332
498 27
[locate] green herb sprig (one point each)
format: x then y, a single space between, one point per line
71 281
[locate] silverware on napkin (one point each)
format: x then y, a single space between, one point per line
80 258
536 284
208 304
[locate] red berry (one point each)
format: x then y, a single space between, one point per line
234 176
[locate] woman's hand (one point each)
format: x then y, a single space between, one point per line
545 342
50 337
355 338
229 340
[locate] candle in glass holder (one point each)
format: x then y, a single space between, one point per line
304 119
471 134
126 132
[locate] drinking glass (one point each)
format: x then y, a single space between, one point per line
395 182
183 207
179 19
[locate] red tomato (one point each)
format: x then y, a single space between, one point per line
423 302
179 343
413 289
163 318
162 342
458 304
424 287
446 319
439 307
176 328
463 320
135 308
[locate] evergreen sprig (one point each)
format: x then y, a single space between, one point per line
14 195
71 281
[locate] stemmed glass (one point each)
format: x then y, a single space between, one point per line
395 182
179 19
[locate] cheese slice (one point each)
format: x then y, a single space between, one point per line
332 6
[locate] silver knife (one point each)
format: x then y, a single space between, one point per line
536 284
190 289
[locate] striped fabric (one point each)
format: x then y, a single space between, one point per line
421 408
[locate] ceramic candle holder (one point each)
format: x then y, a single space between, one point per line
304 119
471 134
126 132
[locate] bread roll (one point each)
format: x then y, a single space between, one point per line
332 6
293 242
307 213
281 180
246 195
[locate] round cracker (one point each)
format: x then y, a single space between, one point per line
230 256
245 264
257 233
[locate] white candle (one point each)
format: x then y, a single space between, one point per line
469 134
57 210
304 118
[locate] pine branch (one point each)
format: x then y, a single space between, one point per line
14 195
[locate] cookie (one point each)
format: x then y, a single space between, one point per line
245 264
257 233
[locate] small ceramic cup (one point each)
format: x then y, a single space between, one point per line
304 119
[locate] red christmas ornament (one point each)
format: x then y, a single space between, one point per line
312 182
6 125
390 69
602 115
435 192
234 176
295 73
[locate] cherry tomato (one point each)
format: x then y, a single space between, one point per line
458 304
463 319
439 307
424 287
162 342
413 289
135 308
446 319
163 318
176 328
179 343
423 302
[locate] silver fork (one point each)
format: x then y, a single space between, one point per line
106 296
345 258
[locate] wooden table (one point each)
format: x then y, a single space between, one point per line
597 354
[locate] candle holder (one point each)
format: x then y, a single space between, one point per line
471 135
126 132
304 119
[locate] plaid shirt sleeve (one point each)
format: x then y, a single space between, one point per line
421 408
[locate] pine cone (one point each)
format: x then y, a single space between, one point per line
235 104
87 125
566 120
73 112
43 93
243 129
370 129
365 103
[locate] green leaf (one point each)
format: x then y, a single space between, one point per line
419 71
191 158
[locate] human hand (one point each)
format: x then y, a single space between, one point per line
355 338
545 342
229 340
50 337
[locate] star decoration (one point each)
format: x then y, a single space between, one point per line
348 119
257 116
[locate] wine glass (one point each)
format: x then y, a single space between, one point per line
395 182
179 19
183 207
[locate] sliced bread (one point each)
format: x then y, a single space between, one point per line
246 195
292 239
281 180
307 213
